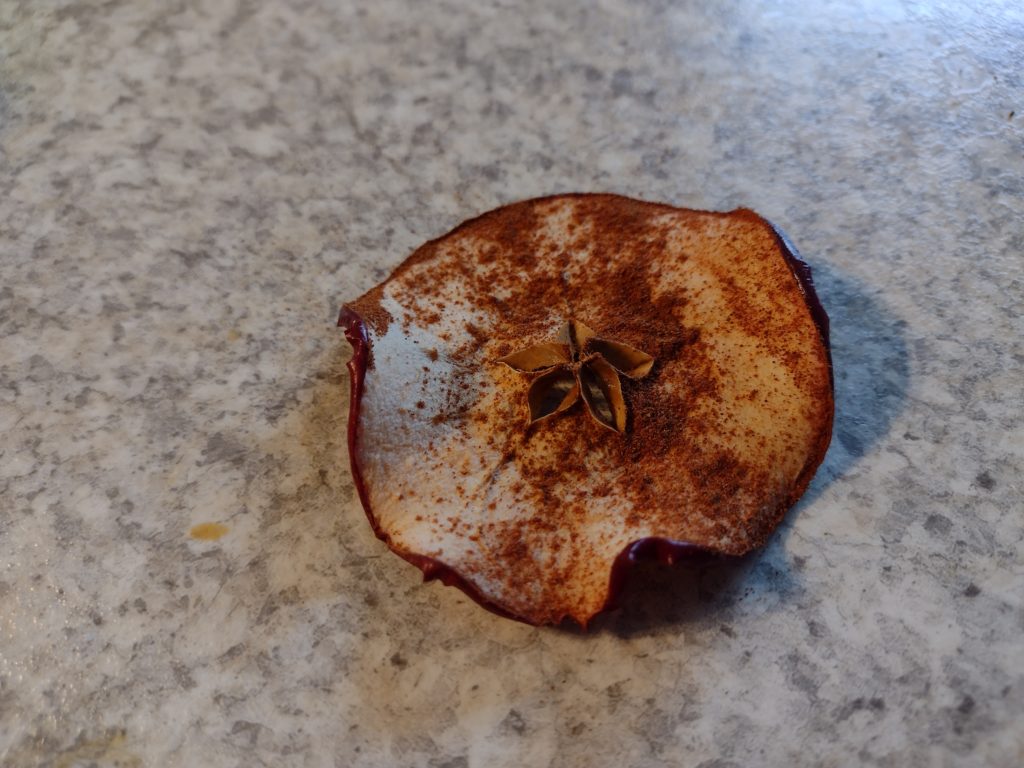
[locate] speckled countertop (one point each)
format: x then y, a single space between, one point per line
191 188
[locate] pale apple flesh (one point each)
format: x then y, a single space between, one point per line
542 522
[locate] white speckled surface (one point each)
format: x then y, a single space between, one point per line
189 190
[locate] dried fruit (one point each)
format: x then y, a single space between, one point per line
709 384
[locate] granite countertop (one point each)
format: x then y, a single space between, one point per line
189 191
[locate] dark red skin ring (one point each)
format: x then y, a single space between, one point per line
651 549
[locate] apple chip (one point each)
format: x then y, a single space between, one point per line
564 386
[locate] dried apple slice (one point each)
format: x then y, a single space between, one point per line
693 339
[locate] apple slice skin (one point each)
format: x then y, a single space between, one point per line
802 272
657 549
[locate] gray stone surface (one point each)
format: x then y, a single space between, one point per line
188 190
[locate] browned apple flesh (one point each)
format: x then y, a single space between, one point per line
720 437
